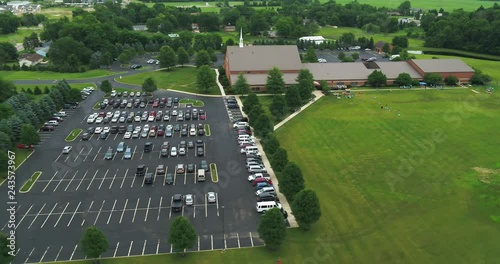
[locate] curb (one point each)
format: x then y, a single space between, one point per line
81 130
17 167
216 174
32 183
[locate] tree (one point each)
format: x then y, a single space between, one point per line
167 57
451 80
270 143
7 89
9 23
311 55
205 80
480 78
433 79
305 84
203 58
106 86
182 56
249 102
279 159
275 83
29 135
182 234
272 228
93 243
5 257
403 79
377 78
6 111
293 99
37 90
241 85
292 181
5 142
285 26
74 95
149 85
355 56
400 41
404 8
386 48
278 107
263 125
8 52
341 56
306 208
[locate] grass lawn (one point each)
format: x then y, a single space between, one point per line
35 75
487 66
179 79
196 103
21 156
27 185
468 5
73 134
335 33
213 172
266 101
207 130
19 36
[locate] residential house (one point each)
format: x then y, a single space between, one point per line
30 60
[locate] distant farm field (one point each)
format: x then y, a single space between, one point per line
468 5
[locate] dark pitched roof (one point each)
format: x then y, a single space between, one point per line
393 68
443 65
263 58
338 71
33 57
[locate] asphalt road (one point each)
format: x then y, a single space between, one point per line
83 189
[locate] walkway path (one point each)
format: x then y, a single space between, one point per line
222 92
317 94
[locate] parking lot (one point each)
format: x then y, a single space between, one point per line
84 188
332 56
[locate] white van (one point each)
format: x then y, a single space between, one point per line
247 149
201 175
243 137
262 207
53 123
256 169
265 189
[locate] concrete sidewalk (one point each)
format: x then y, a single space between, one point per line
222 92
317 94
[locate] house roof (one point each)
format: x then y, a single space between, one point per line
392 69
338 71
443 65
261 79
263 58
33 57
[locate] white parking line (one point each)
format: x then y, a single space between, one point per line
142 154
124 176
217 203
198 243
77 187
135 211
97 154
111 213
194 207
238 237
34 219
130 248
206 211
29 209
60 180
99 213
116 249
57 256
147 210
158 247
123 212
251 238
225 244
185 177
71 181
43 256
26 261
103 178
171 248
57 158
133 153
144 247
76 210
77 156
212 241
88 153
133 180
92 203
159 209
113 180
50 181
92 179
70 258
64 210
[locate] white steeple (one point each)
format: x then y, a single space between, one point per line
241 37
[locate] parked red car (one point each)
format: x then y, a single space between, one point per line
23 146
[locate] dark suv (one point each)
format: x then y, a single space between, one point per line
141 169
148 147
148 179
